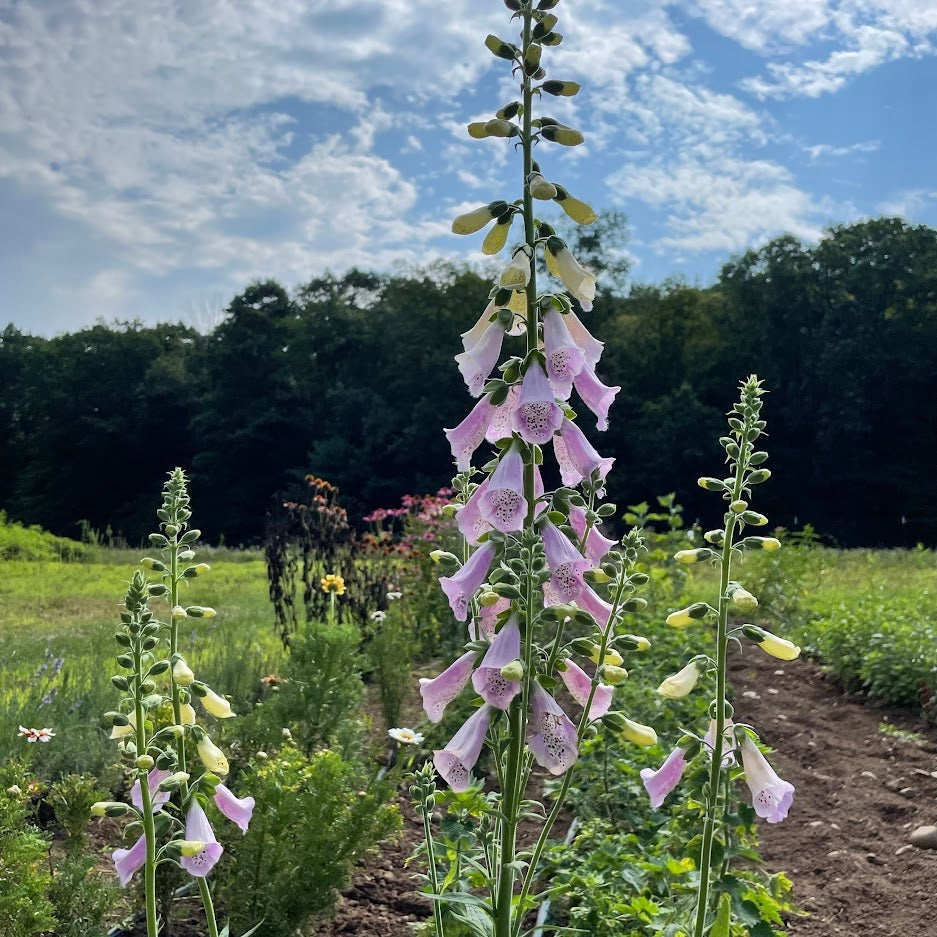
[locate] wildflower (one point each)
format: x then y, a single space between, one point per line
460 587
578 210
394 595
471 337
741 599
439 692
564 266
476 362
516 274
680 684
595 395
661 782
469 520
579 685
237 809
503 504
217 705
565 562
596 545
689 557
684 617
612 657
182 673
465 438
551 734
564 358
378 616
333 584
198 829
490 684
637 733
36 735
187 712
406 736
537 416
502 420
771 796
540 187
497 237
475 220
127 861
613 674
153 781
771 644
591 347
212 756
455 762
577 457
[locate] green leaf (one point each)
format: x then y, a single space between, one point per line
723 918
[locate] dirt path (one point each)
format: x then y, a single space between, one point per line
860 793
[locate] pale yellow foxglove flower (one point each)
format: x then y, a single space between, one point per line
212 756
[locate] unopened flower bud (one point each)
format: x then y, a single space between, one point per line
758 476
109 808
689 557
737 507
612 657
186 555
497 237
517 273
599 576
711 484
488 598
200 611
188 847
212 756
174 781
178 613
680 684
742 600
156 565
563 89
777 647
145 762
188 714
614 674
171 530
217 705
579 211
541 188
632 731
754 518
500 48
500 128
513 671
437 556
473 221
686 616
632 642
768 544
182 673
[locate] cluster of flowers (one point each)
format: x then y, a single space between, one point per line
36 735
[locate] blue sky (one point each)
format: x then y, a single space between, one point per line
156 155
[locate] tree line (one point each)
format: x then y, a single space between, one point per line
351 378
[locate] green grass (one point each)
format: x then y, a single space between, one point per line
52 609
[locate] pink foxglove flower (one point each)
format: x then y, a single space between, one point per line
476 363
455 762
577 456
462 586
565 562
503 504
551 734
198 829
579 685
537 416
565 359
771 795
127 861
592 348
465 438
502 420
472 337
596 606
157 797
661 782
487 620
237 809
595 395
490 685
729 745
596 545
439 692
469 520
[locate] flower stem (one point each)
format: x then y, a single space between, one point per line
431 869
149 828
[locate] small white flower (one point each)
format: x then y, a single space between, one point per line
378 615
394 595
287 734
405 736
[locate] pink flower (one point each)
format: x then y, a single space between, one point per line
591 347
565 562
198 829
470 433
577 456
493 688
503 504
537 416
477 362
488 619
502 420
661 782
729 745
579 685
550 733
469 520
589 601
439 692
565 359
771 796
462 586
595 395
237 809
157 797
455 762
127 861
596 545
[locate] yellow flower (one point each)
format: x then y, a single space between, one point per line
612 657
680 684
333 584
637 733
779 647
212 756
217 705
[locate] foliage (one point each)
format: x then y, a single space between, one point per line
71 798
315 816
33 543
82 897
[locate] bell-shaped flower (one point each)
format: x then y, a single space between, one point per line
564 358
477 362
551 734
501 425
473 221
777 647
771 796
491 686
187 711
503 503
237 809
217 705
564 266
596 545
455 762
465 438
577 456
487 621
212 756
595 395
579 685
591 347
157 797
579 211
637 733
460 587
661 782
473 336
537 417
120 732
127 861
439 692
516 275
565 562
497 237
182 672
540 187
469 520
729 745
198 829
681 683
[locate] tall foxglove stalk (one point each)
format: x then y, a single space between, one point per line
520 585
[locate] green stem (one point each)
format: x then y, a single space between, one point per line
433 876
149 828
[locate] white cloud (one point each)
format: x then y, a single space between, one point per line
823 150
907 204
763 25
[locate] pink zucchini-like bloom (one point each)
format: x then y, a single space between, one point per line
439 692
537 416
565 562
494 689
465 438
127 861
157 797
577 456
477 363
237 809
661 782
595 395
551 734
503 503
455 762
565 359
502 420
198 829
771 796
461 587
596 545
487 620
469 520
579 685
591 347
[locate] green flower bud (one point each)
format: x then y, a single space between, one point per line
500 128
540 187
742 600
754 518
559 133
758 476
614 674
474 220
145 762
149 563
711 484
565 89
500 48
738 507
684 617
109 808
513 671
689 557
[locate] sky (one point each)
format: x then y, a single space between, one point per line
158 155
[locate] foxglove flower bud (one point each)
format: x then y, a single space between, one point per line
564 266
576 209
516 274
686 616
212 756
474 220
182 673
680 684
497 237
541 188
217 705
